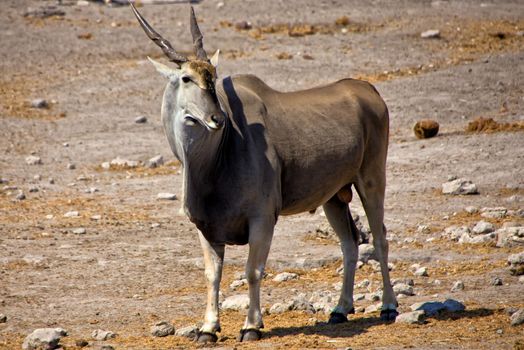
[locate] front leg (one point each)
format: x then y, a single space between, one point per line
213 262
260 235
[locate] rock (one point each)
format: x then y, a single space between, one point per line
79 231
236 302
155 162
285 276
452 305
237 283
39 103
457 286
125 163
106 165
375 296
43 12
71 166
44 338
366 252
33 160
102 335
459 186
412 317
107 347
243 25
483 227
424 229
494 213
422 272
456 232
471 209
279 308
3 318
96 217
20 196
71 214
302 304
510 237
517 318
359 296
166 196
478 239
408 281
496 281
372 308
430 34
402 288
363 284
162 329
141 119
338 286
187 331
33 189
425 128
516 264
430 308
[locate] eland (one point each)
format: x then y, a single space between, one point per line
250 154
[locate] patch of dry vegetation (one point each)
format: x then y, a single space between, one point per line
489 125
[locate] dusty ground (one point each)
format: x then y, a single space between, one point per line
124 274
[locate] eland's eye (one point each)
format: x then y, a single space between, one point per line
186 79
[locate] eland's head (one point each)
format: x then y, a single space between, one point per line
190 108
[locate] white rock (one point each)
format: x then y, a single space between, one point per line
337 286
412 317
366 252
483 227
459 186
162 329
455 232
20 196
494 213
238 283
478 239
430 34
372 308
279 308
33 160
43 338
71 214
106 165
79 231
156 161
166 196
402 288
3 318
285 276
471 209
102 335
187 331
141 119
517 318
39 103
424 229
236 302
422 271
96 217
457 286
516 263
363 284
120 162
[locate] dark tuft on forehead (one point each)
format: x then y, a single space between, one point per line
205 72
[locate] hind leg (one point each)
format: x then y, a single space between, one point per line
372 193
339 217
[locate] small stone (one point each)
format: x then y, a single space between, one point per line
71 166
71 214
456 232
496 281
96 217
457 286
516 264
33 189
3 318
155 162
359 296
81 343
483 227
106 165
425 129
363 284
155 225
422 272
430 34
220 4
471 209
166 196
430 308
521 279
279 308
188 332
517 318
459 186
33 160
44 338
79 231
20 196
37 177
39 103
494 213
237 283
243 25
125 163
236 302
402 288
372 296
162 329
51 181
285 276
107 347
408 281
413 317
424 229
141 119
337 286
366 252
372 308
102 335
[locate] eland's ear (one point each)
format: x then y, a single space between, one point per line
214 59
166 71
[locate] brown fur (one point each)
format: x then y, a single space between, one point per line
204 73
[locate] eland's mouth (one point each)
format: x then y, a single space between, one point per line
212 123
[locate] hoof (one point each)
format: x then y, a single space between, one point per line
249 335
206 337
336 318
388 315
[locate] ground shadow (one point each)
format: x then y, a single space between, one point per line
361 325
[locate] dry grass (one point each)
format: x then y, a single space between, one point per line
489 125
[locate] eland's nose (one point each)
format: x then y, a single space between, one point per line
215 121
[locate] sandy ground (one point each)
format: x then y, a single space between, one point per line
141 261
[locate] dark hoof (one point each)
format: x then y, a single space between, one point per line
336 318
388 315
206 337
249 335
